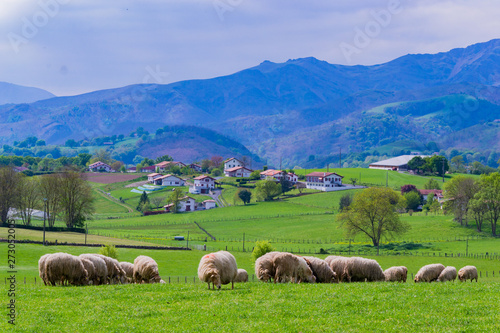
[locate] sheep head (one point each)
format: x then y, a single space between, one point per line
215 279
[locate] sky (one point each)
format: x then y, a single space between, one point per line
70 47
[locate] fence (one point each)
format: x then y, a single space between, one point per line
53 229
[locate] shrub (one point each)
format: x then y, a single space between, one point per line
261 248
109 251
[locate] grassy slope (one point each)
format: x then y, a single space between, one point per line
259 307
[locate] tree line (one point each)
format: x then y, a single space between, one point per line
65 195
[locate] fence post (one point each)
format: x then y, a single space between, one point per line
169 279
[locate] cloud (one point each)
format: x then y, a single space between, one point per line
110 44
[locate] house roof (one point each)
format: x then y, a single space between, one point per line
396 161
232 158
237 168
208 201
152 167
203 177
437 193
194 164
154 174
20 169
98 163
271 172
169 175
323 174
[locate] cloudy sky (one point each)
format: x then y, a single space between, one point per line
75 46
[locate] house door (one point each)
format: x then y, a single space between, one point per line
188 208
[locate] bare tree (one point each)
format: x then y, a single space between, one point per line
49 190
76 198
9 180
157 202
28 199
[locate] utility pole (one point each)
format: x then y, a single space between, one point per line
349 246
467 247
243 242
44 210
86 232
387 179
187 241
340 158
444 158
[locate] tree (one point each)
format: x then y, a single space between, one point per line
300 186
9 191
457 161
142 200
413 200
174 199
157 202
261 248
345 201
245 196
164 158
286 185
489 194
408 188
417 163
116 165
29 197
102 155
437 164
205 165
84 158
478 207
49 191
432 184
216 161
373 213
458 192
71 143
246 161
353 181
267 190
76 198
255 175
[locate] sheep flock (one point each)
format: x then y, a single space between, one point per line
220 268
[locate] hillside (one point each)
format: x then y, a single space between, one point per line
15 94
294 109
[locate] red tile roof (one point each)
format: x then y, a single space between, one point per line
237 168
322 174
203 177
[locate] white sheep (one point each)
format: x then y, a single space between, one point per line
321 270
115 272
448 274
241 276
145 270
396 274
41 267
100 268
264 269
290 267
338 265
428 273
362 269
128 268
466 273
63 267
90 268
218 268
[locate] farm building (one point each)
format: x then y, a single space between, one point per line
195 167
399 163
438 194
238 172
232 163
166 165
151 168
323 181
186 204
169 180
153 176
277 175
208 204
100 167
202 184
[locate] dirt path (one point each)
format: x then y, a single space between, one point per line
137 184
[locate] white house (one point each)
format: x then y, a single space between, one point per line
323 181
195 167
208 204
100 167
270 173
166 165
399 163
438 194
238 172
202 184
169 180
153 176
291 177
232 163
186 204
151 168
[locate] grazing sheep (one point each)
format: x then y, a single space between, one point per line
264 269
290 267
241 276
90 268
466 273
128 268
100 268
115 272
63 267
396 274
321 270
428 273
338 265
41 267
448 274
145 270
218 268
361 269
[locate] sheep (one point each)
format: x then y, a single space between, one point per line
290 267
61 267
241 276
145 270
90 268
362 269
41 267
338 266
115 272
321 270
448 274
128 268
218 268
396 274
264 269
428 273
466 273
100 268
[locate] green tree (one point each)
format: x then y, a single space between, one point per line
245 196
286 185
109 250
76 198
432 184
417 164
255 175
174 199
373 213
71 143
261 248
458 161
413 200
164 158
345 201
267 190
142 200
489 194
102 155
458 192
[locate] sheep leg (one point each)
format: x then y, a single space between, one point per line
232 284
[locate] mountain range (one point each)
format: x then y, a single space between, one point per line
296 109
